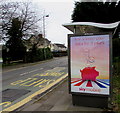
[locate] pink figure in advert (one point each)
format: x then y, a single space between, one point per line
89 73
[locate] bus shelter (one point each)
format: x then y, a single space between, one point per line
90 63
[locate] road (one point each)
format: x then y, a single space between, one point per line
21 85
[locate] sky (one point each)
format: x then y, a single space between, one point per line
59 14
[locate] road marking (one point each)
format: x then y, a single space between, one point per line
25 83
33 82
30 72
56 69
5 104
50 74
50 81
29 98
44 81
20 81
36 81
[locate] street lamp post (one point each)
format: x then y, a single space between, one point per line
43 26
44 33
44 23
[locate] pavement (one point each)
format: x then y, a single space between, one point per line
57 99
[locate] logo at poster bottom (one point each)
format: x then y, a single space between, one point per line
100 86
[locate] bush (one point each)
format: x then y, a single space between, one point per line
38 54
49 54
116 46
59 53
33 55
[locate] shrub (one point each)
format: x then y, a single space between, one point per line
59 53
38 54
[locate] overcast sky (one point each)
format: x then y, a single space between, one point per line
59 13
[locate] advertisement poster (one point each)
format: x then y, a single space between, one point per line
89 64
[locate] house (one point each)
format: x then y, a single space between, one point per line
58 47
38 40
41 42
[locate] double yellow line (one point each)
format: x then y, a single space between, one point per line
29 98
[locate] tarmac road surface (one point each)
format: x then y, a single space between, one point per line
21 85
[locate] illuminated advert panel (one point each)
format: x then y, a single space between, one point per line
89 64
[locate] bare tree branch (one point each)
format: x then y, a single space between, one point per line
24 12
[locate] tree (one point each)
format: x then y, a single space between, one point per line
7 14
15 44
24 11
100 12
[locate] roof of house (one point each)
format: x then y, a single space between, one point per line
60 45
37 39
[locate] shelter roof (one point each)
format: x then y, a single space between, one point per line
71 26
